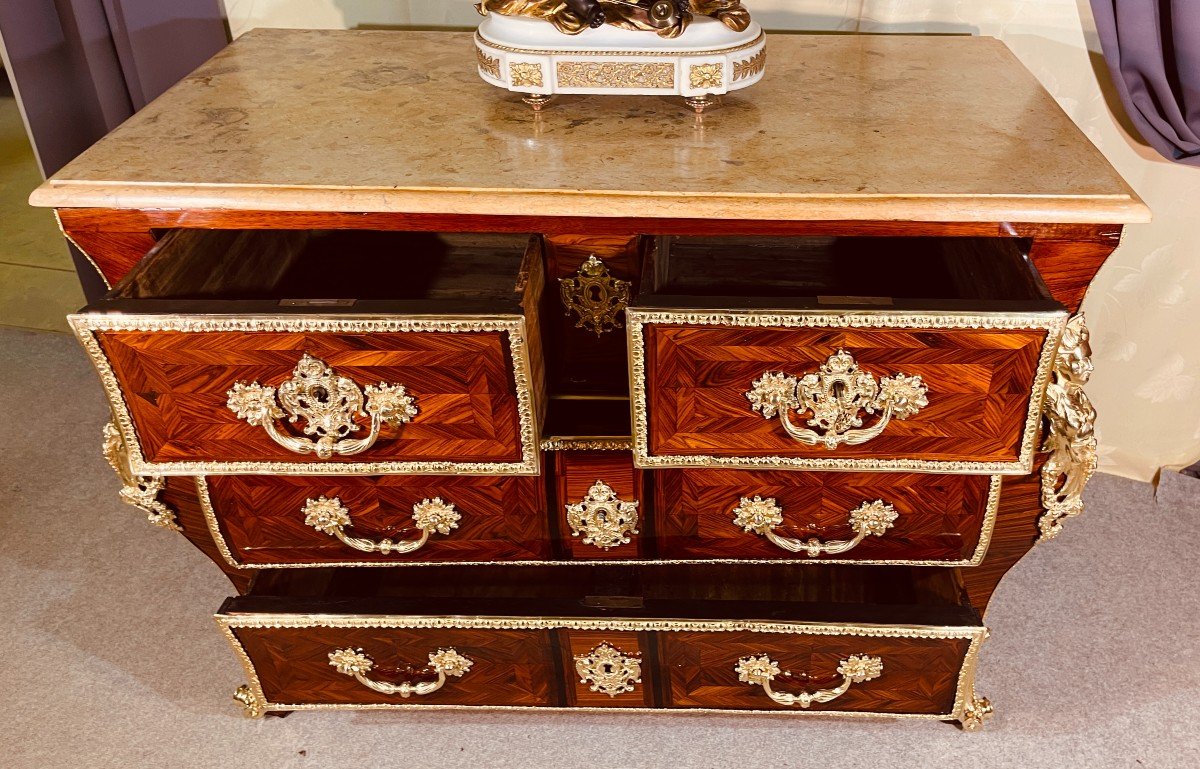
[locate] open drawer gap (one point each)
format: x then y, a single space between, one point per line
327 269
912 272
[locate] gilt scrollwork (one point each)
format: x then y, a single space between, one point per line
1071 438
251 707
140 491
609 670
327 404
330 516
595 296
837 395
762 516
602 518
750 67
976 711
762 670
445 662
488 64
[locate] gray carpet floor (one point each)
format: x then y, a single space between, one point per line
110 657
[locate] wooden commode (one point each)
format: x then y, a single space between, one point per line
609 405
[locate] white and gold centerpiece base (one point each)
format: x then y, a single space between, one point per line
531 57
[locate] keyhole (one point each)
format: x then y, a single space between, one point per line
321 394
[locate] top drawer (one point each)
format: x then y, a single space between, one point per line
346 353
913 354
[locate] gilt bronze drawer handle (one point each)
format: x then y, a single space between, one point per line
445 662
761 671
602 518
761 516
327 403
837 396
331 517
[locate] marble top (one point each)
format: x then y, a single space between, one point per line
890 127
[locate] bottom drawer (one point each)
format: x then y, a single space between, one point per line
738 639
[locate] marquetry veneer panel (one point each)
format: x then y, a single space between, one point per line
576 472
920 675
979 382
940 518
174 385
508 667
261 518
922 671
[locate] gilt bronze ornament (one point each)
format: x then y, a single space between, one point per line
699 49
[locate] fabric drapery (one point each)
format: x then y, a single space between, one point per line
1153 51
81 67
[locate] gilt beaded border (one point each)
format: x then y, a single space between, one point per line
963 691
87 325
636 318
981 548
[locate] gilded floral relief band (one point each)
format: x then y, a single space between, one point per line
1071 438
636 320
88 325
981 548
966 705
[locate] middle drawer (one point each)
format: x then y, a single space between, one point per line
596 507
264 521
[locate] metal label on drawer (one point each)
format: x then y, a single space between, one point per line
317 302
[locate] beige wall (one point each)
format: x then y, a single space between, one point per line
1142 308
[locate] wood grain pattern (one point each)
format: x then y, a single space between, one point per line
1015 535
1068 265
261 517
118 238
575 473
631 644
175 386
978 381
580 362
919 675
940 516
510 667
180 496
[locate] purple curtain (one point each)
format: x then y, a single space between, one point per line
1153 51
81 67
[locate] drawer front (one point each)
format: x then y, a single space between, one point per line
738 671
298 662
608 668
601 505
287 521
294 666
306 395
885 391
898 518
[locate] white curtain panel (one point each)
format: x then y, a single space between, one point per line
1143 308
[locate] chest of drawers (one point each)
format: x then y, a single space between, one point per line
608 406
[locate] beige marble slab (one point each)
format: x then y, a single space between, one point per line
842 127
